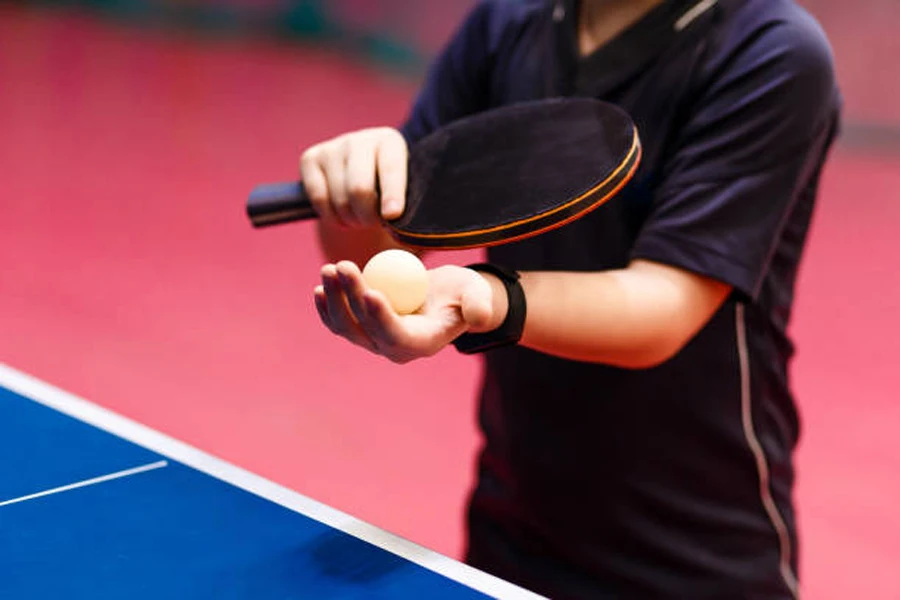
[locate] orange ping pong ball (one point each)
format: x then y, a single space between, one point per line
401 277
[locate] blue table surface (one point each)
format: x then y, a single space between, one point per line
169 532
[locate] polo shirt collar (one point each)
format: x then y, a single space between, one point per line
626 55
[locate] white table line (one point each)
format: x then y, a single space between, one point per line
86 482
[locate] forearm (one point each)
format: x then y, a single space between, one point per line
357 245
612 317
636 317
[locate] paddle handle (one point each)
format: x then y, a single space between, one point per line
277 203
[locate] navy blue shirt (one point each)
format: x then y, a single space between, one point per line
674 481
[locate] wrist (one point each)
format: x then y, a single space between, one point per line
499 303
507 321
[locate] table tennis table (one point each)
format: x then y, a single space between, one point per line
95 505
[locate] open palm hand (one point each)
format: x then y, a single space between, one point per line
458 300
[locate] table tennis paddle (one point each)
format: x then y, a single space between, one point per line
497 176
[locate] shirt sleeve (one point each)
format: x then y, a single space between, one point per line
457 83
754 142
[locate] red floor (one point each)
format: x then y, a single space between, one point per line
130 276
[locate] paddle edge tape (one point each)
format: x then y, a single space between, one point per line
536 224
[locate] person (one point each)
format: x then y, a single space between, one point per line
636 408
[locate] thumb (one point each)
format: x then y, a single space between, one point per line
391 165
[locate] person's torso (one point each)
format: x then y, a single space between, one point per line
635 474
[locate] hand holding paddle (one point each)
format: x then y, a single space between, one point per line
491 178
358 178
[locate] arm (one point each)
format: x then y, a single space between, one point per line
636 317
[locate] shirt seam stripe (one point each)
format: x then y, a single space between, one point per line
762 467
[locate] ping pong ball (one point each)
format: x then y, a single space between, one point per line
401 277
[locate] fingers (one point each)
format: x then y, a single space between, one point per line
353 311
335 311
392 174
352 286
316 184
369 307
322 306
360 183
357 313
342 177
334 164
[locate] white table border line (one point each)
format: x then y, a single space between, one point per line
116 424
88 482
